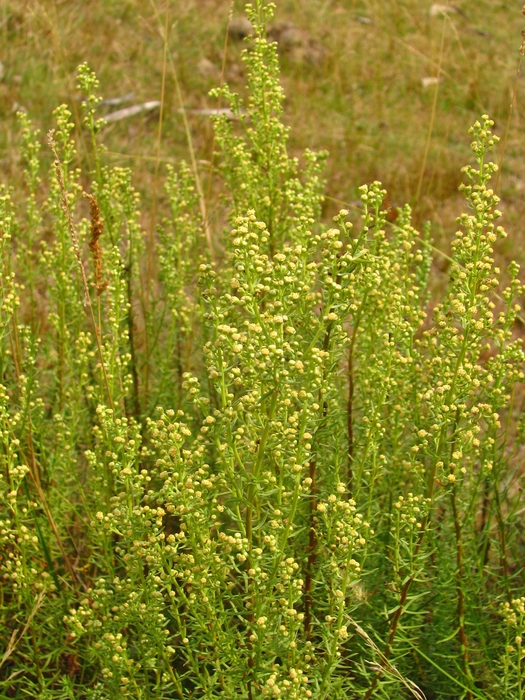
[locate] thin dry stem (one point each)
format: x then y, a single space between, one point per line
153 213
159 141
511 108
76 248
434 108
14 641
219 105
189 139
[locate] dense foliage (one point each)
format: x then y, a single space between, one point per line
265 463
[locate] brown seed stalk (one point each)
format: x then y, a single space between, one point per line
76 249
97 228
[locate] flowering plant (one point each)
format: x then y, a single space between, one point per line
281 469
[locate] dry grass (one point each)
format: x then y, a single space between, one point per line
356 86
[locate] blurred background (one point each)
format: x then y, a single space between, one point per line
388 87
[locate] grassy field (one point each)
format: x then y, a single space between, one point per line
359 79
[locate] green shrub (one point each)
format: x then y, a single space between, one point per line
273 469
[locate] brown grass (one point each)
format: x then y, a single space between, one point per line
364 101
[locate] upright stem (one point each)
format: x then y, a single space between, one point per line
74 240
461 596
312 537
312 552
350 420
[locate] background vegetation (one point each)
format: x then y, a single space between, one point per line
256 440
356 79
